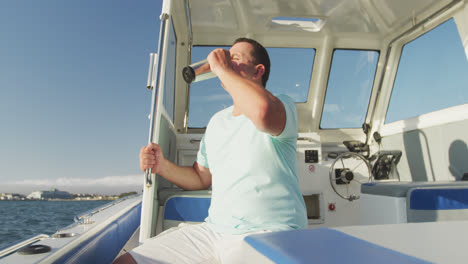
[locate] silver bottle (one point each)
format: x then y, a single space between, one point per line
197 71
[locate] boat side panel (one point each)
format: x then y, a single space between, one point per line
104 247
437 153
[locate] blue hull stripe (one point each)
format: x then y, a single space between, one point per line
439 199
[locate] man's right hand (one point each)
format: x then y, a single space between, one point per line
219 60
151 157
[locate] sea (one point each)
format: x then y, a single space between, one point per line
23 219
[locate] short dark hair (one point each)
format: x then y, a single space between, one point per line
260 56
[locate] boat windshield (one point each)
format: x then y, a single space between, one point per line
349 87
433 67
290 73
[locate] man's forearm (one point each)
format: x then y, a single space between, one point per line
183 176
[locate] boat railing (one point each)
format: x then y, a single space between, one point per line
84 218
13 248
94 211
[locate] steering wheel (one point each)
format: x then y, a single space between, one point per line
346 179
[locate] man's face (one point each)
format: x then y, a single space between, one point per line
242 60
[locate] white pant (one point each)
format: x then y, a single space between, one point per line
191 243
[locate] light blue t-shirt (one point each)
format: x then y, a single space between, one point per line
254 175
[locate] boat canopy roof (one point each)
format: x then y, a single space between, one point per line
304 23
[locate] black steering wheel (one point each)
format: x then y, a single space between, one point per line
347 172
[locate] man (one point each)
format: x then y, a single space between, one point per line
247 155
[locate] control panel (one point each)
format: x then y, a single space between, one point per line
311 156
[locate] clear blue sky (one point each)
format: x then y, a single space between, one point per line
73 102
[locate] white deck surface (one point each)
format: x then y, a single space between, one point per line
438 242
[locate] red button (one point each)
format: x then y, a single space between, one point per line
311 168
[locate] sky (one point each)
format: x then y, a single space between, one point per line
73 100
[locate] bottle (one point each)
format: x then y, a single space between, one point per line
197 71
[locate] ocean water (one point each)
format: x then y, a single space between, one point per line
23 219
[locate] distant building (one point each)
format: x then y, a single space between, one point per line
52 194
6 196
11 196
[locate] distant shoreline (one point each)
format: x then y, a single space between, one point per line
59 200
56 195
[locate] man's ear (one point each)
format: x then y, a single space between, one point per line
260 70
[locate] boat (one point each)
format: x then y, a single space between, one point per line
381 90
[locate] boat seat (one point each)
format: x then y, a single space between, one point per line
320 245
186 207
165 193
411 202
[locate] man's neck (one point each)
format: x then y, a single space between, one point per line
236 112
